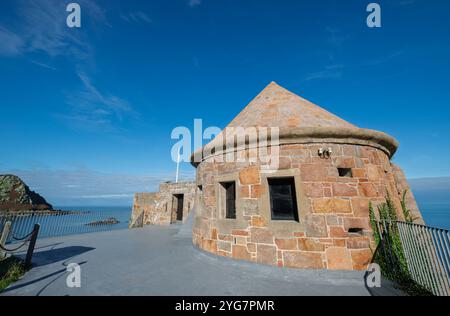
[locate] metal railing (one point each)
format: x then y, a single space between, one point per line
427 253
62 223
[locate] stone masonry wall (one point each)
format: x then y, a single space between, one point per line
329 207
142 205
403 186
159 208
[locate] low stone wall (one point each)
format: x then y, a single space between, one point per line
159 208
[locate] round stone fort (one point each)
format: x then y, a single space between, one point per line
309 209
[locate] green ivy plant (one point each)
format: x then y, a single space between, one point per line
389 254
407 212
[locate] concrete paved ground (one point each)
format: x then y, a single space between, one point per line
162 261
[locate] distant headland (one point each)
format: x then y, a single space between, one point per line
15 196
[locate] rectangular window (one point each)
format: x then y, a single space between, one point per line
345 172
283 202
229 196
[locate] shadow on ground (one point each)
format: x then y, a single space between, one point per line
42 258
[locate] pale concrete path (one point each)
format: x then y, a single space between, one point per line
159 261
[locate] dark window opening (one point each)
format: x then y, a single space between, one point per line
345 172
179 198
354 230
230 199
283 201
200 187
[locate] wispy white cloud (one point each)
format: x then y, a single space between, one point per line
43 65
41 27
194 3
41 33
330 72
336 37
138 17
383 59
92 109
337 71
11 43
88 187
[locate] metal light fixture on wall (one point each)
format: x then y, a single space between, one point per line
325 153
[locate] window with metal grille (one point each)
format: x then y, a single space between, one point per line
283 201
230 199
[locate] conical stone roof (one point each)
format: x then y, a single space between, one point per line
278 107
299 122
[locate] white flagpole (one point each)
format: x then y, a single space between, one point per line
178 165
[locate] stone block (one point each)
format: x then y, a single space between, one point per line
261 235
258 221
250 176
361 258
284 163
331 205
360 207
244 191
251 247
373 173
339 242
338 258
257 191
302 260
313 172
209 245
240 252
367 189
286 244
358 242
316 226
338 231
314 190
332 220
224 246
306 244
266 254
342 189
238 232
359 173
344 162
214 234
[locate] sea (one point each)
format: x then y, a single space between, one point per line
436 214
78 220
121 213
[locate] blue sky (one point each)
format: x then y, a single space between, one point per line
87 114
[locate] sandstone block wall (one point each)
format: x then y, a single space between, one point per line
159 208
402 186
333 231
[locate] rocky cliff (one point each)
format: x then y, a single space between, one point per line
15 195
